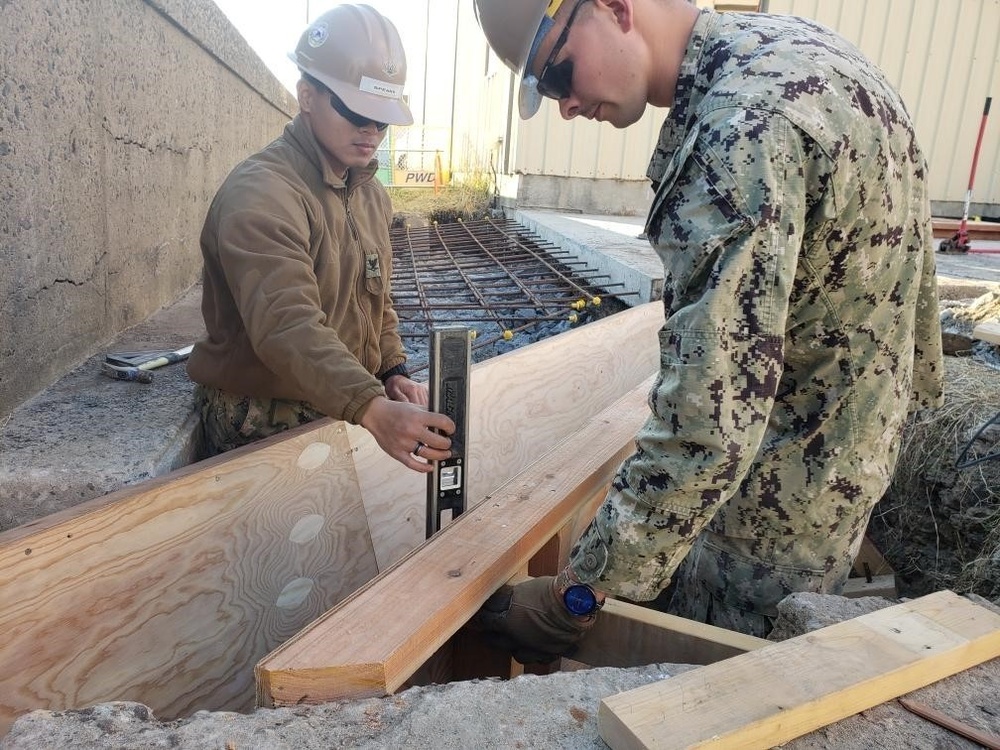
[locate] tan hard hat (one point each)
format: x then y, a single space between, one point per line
356 52
514 28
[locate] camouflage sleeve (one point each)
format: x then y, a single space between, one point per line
727 221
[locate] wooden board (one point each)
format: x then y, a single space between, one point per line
628 635
871 574
371 643
766 697
523 403
169 592
989 332
977 230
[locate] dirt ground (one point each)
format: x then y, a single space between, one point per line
939 524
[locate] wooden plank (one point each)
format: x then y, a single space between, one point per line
371 643
766 697
989 332
884 586
870 561
170 591
628 635
873 576
977 230
523 403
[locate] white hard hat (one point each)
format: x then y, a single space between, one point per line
356 52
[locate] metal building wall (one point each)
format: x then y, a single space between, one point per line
944 58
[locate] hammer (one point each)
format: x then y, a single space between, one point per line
141 373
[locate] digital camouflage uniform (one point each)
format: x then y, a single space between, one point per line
793 222
231 421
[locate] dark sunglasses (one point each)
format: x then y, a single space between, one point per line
556 80
358 121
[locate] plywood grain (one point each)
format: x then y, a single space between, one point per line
766 697
372 642
168 592
522 403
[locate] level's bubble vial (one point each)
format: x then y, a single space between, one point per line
451 478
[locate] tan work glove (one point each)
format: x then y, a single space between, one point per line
531 622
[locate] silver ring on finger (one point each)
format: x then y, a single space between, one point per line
416 449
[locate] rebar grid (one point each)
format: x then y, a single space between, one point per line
496 277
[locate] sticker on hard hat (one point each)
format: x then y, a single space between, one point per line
318 34
381 88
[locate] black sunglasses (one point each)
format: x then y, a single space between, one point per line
358 121
556 81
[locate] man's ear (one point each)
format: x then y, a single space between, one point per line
305 94
622 10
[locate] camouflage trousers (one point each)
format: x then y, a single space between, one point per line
721 583
231 421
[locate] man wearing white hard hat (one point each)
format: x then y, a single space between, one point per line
296 297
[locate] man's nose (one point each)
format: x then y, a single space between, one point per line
569 107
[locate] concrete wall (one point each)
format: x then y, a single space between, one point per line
118 121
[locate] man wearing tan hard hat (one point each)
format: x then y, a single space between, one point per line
791 214
296 298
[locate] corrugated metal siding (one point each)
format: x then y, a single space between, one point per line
942 55
944 58
548 144
482 116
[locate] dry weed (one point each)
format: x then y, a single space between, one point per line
939 523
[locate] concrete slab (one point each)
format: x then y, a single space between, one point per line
981 266
88 435
610 244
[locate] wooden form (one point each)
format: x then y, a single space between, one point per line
523 404
169 591
356 650
766 697
873 576
627 635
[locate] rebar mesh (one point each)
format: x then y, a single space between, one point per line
495 277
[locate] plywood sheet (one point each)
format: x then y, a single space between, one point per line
169 592
766 697
373 641
522 404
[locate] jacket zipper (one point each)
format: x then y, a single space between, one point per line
360 284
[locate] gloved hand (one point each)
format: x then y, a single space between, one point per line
531 622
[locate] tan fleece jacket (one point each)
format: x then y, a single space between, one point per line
296 281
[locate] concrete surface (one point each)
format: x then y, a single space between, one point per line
611 244
88 435
554 711
118 121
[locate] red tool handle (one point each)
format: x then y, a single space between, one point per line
979 140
